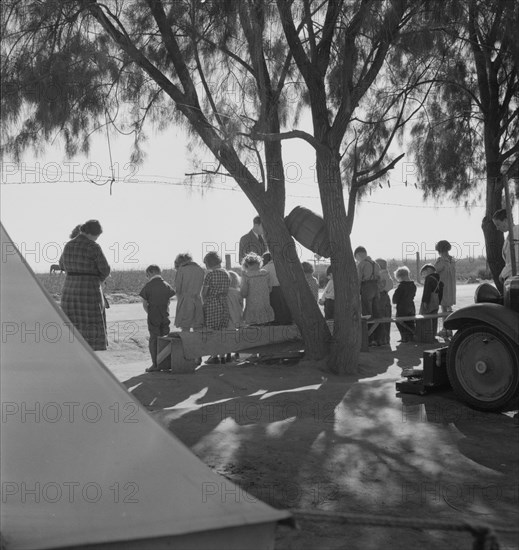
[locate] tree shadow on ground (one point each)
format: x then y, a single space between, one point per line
297 437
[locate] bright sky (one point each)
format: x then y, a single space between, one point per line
150 217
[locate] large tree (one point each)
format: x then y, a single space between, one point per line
345 52
469 132
172 62
71 67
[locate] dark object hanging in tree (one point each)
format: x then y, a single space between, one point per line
308 229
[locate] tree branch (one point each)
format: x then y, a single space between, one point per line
361 182
287 21
173 50
509 153
323 49
210 97
479 60
293 134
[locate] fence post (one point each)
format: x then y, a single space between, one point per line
227 262
418 267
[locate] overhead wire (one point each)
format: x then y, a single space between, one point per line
82 177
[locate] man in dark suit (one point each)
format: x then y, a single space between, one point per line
254 240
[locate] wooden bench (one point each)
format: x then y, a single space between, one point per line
424 330
180 351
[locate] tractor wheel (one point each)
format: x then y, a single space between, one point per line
483 367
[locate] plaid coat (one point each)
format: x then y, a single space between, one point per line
82 298
216 309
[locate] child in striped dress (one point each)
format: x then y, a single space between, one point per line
214 295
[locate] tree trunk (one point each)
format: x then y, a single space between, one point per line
493 237
305 311
346 340
489 92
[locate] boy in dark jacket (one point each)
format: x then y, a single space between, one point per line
432 293
155 295
403 298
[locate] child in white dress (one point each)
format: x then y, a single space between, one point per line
255 288
235 301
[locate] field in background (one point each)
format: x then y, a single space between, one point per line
121 286
467 269
124 286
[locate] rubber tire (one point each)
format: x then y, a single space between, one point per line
510 395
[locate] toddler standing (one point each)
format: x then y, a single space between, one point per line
403 298
235 301
328 297
313 283
255 288
235 305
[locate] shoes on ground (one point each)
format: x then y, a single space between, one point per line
156 368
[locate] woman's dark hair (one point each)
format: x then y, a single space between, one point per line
212 259
443 246
266 258
75 232
92 227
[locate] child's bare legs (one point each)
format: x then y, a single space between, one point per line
444 333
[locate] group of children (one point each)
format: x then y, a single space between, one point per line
375 283
439 289
214 298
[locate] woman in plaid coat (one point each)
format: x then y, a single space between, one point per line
82 299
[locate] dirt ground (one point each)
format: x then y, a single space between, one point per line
298 437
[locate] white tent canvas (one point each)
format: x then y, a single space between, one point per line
82 464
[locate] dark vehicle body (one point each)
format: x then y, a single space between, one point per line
483 355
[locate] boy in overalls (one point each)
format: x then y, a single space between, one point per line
369 275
